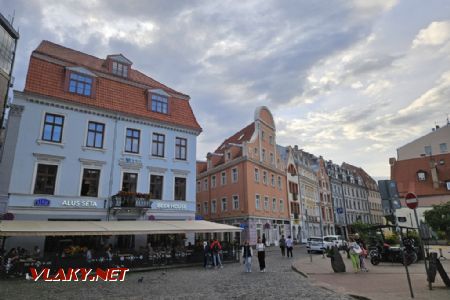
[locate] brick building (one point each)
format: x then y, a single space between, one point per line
423 167
243 182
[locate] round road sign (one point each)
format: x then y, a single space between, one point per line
411 200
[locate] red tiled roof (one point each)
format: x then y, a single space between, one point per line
243 135
47 78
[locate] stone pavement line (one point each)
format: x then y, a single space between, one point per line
383 282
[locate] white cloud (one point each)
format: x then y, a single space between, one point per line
437 33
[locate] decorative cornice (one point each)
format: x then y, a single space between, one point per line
43 100
48 157
157 169
92 162
180 172
16 110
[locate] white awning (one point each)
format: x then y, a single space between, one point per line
60 228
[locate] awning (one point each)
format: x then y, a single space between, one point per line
59 228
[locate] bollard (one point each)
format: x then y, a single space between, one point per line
310 257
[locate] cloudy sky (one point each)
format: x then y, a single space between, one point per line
349 80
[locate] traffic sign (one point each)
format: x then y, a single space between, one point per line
411 200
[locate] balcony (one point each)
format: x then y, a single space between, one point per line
131 200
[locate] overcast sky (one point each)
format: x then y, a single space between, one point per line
349 80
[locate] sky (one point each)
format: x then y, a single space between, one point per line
349 80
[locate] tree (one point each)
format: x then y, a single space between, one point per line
438 218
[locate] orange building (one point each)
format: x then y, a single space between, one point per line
243 183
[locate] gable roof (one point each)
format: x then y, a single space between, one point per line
243 135
125 95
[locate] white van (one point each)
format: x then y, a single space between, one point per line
331 240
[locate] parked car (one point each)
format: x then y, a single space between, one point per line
315 244
331 240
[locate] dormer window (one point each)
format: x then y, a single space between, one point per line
119 69
118 65
80 84
421 175
158 101
80 81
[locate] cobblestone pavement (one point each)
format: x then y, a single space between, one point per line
231 282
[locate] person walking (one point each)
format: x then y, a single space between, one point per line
354 250
216 247
282 243
289 245
247 254
260 248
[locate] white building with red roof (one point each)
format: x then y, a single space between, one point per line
95 139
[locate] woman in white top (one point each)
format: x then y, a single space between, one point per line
261 255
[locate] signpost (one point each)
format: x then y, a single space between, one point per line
413 202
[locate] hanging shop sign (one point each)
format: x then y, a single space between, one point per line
41 202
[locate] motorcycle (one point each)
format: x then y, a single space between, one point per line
406 255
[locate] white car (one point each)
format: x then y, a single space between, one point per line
331 240
314 243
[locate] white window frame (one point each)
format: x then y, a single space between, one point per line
93 166
223 179
266 203
274 204
281 205
187 186
234 171
223 207
205 207
58 172
235 199
163 183
213 206
256 177
213 181
205 184
257 202
265 177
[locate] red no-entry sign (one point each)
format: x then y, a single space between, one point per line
411 200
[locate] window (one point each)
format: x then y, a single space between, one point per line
45 179
274 204
234 175
129 182
263 154
156 186
262 135
256 175
205 184
213 181
272 159
443 147
264 177
53 128
281 205
158 141
228 155
224 204
180 148
7 46
279 182
90 182
95 135
119 69
257 202
205 207
421 175
80 84
159 103
223 178
213 206
428 150
266 203
273 180
271 139
235 202
132 140
199 186
180 188
198 208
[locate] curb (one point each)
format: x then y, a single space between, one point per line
355 296
299 272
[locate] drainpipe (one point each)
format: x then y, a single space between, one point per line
111 175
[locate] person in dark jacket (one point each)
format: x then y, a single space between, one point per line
247 254
282 243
